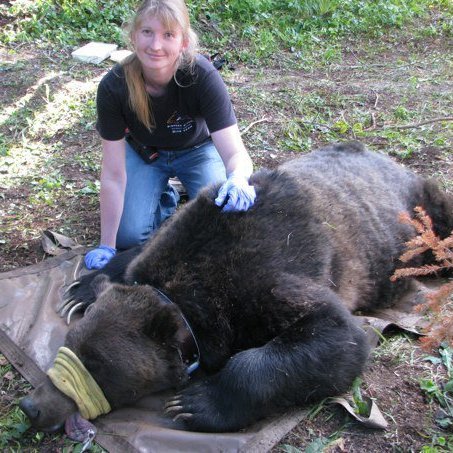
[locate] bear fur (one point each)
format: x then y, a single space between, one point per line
268 293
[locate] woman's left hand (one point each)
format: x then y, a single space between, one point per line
236 194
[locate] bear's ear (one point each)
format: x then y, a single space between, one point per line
99 284
163 324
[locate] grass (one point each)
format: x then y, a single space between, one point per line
268 26
308 73
49 108
251 30
434 378
439 387
13 423
66 22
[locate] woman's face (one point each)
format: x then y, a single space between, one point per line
158 47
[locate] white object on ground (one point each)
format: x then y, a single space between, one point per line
119 55
94 52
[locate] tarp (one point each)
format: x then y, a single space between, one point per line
31 332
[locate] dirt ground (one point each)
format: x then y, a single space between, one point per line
392 379
364 85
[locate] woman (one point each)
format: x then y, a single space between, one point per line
163 112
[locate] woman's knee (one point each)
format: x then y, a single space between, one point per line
129 236
138 225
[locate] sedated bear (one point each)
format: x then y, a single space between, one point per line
265 296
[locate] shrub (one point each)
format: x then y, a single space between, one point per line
67 22
265 26
439 304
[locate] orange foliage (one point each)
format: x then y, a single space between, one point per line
439 304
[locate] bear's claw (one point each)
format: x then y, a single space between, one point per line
182 416
65 306
74 309
173 404
72 285
69 306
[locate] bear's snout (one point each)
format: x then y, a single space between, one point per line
31 410
28 407
46 407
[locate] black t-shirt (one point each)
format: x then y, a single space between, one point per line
185 116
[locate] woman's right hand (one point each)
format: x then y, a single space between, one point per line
99 257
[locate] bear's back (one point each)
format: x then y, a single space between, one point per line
330 216
350 170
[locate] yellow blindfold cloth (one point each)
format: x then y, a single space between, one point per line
71 377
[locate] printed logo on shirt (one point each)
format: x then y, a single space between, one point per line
180 124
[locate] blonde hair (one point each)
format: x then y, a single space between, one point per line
170 13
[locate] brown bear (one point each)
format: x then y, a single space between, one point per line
260 300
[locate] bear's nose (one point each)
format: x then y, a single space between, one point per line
28 407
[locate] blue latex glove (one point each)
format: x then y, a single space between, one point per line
98 258
241 195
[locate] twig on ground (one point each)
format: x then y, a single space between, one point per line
210 25
415 125
379 65
253 124
361 66
373 122
376 100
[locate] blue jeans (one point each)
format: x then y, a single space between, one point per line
150 199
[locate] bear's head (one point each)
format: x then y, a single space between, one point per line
129 342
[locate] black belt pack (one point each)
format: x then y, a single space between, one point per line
148 153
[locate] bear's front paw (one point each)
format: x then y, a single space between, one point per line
174 408
77 298
205 407
197 408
